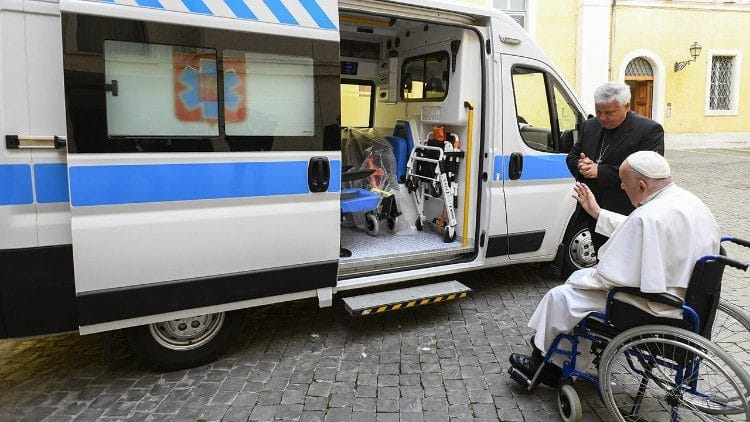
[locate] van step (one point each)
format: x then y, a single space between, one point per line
392 300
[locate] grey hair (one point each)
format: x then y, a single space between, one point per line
611 91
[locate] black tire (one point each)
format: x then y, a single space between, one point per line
170 346
578 248
372 224
418 224
391 225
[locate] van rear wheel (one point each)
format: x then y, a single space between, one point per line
185 342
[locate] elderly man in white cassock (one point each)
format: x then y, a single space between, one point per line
654 249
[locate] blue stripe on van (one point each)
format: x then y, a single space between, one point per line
197 6
15 184
317 13
240 9
535 167
131 184
335 177
281 12
51 183
149 3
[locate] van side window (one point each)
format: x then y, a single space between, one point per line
268 94
139 86
425 78
568 119
532 108
357 103
547 119
160 90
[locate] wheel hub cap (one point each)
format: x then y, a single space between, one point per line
582 250
187 333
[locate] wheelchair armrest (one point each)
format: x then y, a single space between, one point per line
665 298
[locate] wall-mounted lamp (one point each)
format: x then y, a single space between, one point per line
695 51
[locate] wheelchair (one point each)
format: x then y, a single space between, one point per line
652 368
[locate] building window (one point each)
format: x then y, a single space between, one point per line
516 9
723 83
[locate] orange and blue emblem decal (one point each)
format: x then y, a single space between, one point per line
195 88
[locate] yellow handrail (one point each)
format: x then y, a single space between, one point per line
467 180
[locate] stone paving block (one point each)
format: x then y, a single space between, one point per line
320 389
289 411
315 403
364 416
511 415
459 410
263 413
386 405
311 416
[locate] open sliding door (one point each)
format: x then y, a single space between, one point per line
199 174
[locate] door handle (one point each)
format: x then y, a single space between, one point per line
515 168
318 174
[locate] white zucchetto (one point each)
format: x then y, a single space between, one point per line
650 164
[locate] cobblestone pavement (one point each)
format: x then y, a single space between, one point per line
295 361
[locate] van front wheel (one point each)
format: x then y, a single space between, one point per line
579 249
185 342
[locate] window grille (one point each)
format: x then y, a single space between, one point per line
639 67
721 83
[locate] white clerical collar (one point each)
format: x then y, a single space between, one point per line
653 195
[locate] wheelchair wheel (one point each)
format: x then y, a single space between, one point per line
731 332
372 224
659 372
569 404
391 225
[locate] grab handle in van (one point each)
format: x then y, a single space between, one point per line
515 166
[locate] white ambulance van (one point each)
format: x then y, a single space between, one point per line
166 164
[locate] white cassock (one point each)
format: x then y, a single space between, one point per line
655 249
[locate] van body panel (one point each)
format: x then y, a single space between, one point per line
138 228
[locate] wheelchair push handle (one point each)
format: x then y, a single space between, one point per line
738 241
727 261
732 263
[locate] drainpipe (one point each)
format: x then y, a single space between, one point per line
611 38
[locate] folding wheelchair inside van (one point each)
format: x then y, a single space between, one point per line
662 369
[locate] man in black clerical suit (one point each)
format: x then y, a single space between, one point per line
605 141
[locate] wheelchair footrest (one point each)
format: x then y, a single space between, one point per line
518 376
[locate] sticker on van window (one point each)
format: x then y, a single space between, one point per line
235 107
196 96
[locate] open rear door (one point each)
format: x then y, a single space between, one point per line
199 173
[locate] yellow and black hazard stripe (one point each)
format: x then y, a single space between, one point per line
412 303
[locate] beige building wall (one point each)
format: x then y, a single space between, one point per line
555 30
668 32
662 32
